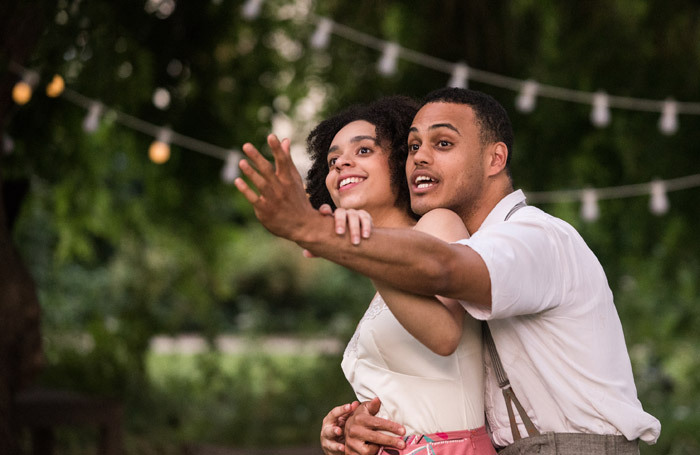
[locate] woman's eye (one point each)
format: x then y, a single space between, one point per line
364 151
413 147
332 161
444 143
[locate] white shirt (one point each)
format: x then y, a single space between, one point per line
556 330
425 392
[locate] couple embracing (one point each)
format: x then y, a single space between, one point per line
493 327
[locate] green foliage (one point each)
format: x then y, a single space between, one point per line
123 249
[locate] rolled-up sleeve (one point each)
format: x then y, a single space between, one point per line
525 268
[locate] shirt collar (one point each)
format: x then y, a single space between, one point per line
500 211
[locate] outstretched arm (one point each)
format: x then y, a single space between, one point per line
410 260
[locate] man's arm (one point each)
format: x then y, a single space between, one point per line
412 261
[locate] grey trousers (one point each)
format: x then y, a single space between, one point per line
572 444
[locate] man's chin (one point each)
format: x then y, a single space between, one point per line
422 207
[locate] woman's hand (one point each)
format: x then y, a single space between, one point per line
357 222
333 429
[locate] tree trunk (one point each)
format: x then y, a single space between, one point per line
21 23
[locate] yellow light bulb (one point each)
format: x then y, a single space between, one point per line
21 93
159 152
55 87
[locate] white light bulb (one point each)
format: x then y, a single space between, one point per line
8 144
527 97
161 98
668 123
600 115
658 204
92 119
387 64
322 35
251 9
589 205
230 171
460 76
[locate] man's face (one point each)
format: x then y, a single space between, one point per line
445 166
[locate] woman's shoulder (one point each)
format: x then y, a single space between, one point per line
444 224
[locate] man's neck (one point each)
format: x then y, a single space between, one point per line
484 206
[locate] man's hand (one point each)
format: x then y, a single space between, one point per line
282 205
363 434
333 426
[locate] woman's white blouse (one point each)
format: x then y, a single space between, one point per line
425 392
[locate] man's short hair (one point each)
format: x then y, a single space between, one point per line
491 116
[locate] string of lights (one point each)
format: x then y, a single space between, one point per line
460 74
527 90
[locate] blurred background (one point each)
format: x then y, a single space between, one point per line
132 270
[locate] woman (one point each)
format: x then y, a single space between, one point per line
419 355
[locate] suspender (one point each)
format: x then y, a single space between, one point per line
502 377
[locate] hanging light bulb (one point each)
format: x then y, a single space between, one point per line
8 144
230 171
159 151
526 99
55 87
600 115
322 35
387 64
460 76
21 93
668 123
92 119
251 9
589 205
658 204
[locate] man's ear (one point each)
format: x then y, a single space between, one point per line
498 157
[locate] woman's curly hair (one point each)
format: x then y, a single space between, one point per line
392 117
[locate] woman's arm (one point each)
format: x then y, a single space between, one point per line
434 321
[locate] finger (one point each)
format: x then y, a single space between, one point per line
365 421
308 254
283 158
373 405
372 436
259 161
354 226
340 220
258 180
337 412
246 190
325 209
286 145
366 223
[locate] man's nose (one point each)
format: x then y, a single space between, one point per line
422 155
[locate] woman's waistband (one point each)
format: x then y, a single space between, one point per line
445 436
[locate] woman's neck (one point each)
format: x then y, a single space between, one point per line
393 217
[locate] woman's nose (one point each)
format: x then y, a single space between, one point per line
343 161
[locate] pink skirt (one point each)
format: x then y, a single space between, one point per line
467 442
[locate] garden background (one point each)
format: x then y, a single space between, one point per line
127 246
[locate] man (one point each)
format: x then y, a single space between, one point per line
530 275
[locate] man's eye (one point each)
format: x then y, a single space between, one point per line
444 143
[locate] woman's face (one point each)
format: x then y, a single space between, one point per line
358 169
